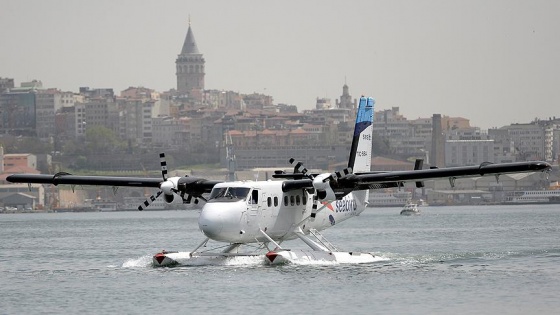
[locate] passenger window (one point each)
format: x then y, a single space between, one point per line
269 201
285 200
276 201
292 200
298 199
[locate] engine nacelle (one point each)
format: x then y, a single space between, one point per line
168 198
321 183
168 188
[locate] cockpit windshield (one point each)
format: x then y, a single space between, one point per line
228 194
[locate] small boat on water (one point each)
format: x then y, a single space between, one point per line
410 209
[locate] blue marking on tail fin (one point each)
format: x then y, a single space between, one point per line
364 116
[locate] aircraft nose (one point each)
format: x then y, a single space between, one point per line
223 221
211 221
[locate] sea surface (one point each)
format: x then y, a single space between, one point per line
447 260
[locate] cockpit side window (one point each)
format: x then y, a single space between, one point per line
228 194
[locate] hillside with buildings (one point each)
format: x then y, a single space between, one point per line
46 130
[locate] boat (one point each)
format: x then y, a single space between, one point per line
532 197
410 209
132 203
104 205
99 204
388 199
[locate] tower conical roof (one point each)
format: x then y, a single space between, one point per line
189 46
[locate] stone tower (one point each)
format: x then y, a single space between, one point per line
190 67
346 99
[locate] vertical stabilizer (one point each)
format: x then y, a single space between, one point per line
360 154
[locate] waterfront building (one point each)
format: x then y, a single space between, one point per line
135 119
48 102
99 112
19 161
531 141
391 124
468 146
6 84
18 112
223 99
166 131
468 152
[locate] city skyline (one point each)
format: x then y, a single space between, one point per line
493 63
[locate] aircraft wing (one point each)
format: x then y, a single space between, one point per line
185 187
68 179
375 180
329 186
337 185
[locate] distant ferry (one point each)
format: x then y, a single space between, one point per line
132 203
104 205
389 199
532 196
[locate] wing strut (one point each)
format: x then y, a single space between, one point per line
418 166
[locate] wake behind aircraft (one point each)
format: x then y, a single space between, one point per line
254 218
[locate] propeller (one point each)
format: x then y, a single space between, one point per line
186 187
163 164
321 182
338 175
149 201
298 168
166 187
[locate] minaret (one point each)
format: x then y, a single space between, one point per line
190 66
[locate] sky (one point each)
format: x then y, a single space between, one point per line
493 62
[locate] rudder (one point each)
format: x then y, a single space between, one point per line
360 153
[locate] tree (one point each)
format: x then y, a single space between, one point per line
26 145
380 145
102 140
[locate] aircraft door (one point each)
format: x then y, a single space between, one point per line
254 202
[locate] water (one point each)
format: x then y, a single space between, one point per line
463 260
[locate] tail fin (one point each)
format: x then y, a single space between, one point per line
360 154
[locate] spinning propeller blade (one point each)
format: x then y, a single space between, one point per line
149 201
166 187
163 166
298 168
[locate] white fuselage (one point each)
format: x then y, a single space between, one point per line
262 206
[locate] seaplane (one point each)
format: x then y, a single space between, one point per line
255 218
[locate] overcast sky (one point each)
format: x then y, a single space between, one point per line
493 62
